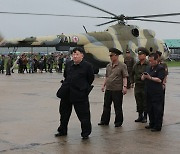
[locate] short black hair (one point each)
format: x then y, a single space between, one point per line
159 53
155 55
81 50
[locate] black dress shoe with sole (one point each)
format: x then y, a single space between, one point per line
60 134
102 123
155 130
118 125
85 137
144 120
138 120
148 127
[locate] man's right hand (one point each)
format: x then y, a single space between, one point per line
103 88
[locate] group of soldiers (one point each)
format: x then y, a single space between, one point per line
138 69
6 63
147 76
32 63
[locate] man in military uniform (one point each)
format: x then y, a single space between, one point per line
129 61
154 92
60 62
139 90
8 65
2 64
116 86
50 62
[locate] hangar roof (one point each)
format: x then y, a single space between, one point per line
173 43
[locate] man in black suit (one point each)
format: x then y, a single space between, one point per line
154 77
78 76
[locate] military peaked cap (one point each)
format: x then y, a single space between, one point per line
116 51
142 50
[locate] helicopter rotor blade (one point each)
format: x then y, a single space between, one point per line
107 22
95 7
152 16
46 14
164 21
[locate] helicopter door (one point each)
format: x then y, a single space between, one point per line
64 44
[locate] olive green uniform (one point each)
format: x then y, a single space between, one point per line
129 61
139 90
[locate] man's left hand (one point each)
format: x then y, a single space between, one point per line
124 91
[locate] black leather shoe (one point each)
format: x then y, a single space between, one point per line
85 137
62 129
60 134
139 120
156 130
140 117
148 127
102 123
118 125
144 120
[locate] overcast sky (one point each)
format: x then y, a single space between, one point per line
13 26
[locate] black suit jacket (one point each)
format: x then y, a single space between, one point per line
79 78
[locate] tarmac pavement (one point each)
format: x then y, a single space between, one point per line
29 119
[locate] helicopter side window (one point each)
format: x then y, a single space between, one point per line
70 39
166 49
65 39
151 49
135 32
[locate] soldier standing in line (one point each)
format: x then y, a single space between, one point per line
50 63
8 65
2 65
45 62
20 65
60 63
129 61
139 90
31 64
24 63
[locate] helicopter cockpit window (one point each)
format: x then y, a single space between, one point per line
151 49
166 49
135 32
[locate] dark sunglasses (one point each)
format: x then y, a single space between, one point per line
112 55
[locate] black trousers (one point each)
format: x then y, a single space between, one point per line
164 92
155 110
82 110
116 97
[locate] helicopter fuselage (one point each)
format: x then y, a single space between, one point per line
96 44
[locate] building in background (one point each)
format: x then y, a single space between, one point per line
174 46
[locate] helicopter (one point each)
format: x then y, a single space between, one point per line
97 44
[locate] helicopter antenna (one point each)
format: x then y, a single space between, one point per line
85 28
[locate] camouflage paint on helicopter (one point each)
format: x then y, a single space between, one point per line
96 44
123 37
